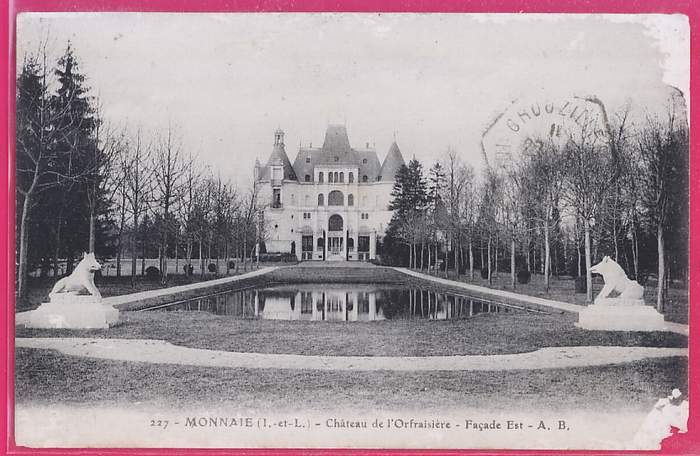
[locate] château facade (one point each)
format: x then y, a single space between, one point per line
332 203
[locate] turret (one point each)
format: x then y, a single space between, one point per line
393 161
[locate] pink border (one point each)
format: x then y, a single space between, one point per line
681 444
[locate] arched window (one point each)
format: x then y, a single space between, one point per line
335 198
342 177
320 199
335 223
351 200
351 178
319 243
364 178
307 178
331 177
320 177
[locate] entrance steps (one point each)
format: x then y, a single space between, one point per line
336 272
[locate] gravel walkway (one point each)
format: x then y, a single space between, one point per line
161 352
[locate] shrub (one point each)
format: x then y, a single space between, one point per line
524 276
289 257
580 284
152 273
484 273
212 267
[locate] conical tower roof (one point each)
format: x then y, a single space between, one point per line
279 157
393 161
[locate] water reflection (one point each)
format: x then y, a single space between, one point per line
344 302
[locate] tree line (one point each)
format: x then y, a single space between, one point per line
83 184
555 208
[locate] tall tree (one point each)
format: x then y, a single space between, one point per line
138 175
544 172
663 147
592 168
169 172
75 147
35 154
409 200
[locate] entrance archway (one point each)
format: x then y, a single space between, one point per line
336 250
335 223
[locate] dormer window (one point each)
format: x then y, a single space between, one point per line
336 159
307 178
364 178
364 161
308 159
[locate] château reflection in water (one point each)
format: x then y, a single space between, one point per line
342 302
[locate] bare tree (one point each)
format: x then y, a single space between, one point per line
591 171
169 172
187 207
662 145
138 174
544 171
103 181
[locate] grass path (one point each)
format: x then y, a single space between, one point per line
161 352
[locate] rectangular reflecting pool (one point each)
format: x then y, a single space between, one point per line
339 302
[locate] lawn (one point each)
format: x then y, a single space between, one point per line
494 333
562 289
45 377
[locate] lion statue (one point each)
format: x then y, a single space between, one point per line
616 280
82 278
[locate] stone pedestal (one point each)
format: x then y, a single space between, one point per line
72 311
615 314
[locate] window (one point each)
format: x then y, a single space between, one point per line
364 161
335 176
320 177
351 177
364 178
342 177
336 158
308 159
320 199
276 198
319 244
351 200
379 177
307 178
351 244
335 223
330 178
335 198
364 216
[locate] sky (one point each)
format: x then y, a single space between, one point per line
225 82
